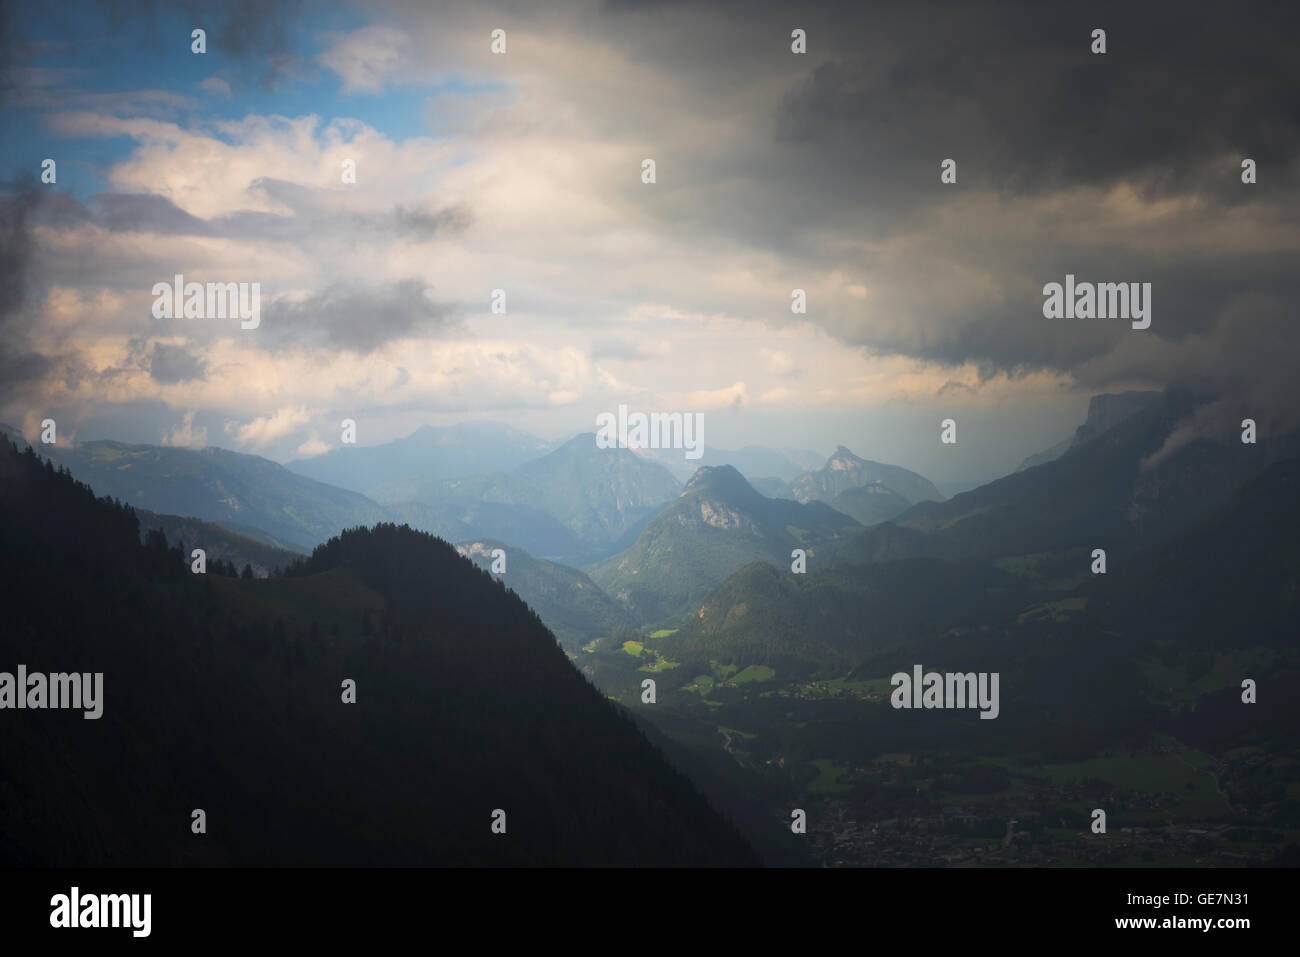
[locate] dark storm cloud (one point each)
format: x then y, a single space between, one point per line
19 203
355 317
952 387
421 223
1011 91
841 173
932 309
170 364
623 6
1014 91
256 33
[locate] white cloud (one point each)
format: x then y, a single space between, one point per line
186 436
776 362
366 59
266 429
732 397
313 446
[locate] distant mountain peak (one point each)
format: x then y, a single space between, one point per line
844 459
1109 409
719 479
1105 411
844 470
581 439
706 472
717 524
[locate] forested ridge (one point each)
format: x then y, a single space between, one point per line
224 694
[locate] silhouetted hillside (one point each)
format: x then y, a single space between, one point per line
570 603
219 544
224 694
1231 581
830 620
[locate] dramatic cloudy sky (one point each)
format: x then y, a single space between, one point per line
522 172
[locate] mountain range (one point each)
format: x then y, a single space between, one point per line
845 472
752 461
717 524
601 496
1132 690
1105 411
236 491
770 681
466 448
1107 491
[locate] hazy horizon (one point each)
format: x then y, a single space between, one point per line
999 450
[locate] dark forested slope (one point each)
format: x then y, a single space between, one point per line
225 695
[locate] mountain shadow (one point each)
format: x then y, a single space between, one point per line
225 695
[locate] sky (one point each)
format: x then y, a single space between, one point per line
522 171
